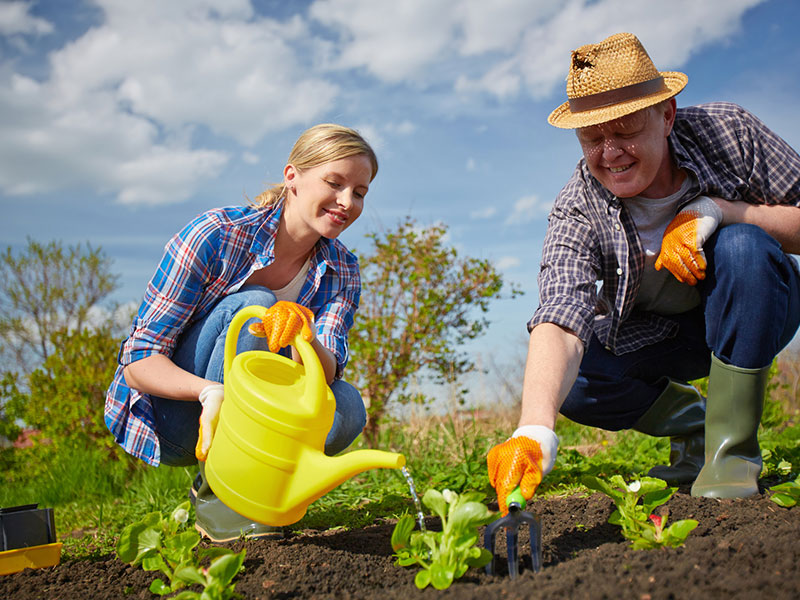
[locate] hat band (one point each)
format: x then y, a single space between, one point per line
607 98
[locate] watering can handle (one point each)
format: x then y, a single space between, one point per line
314 375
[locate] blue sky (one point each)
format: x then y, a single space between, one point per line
120 120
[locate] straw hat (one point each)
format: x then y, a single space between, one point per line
610 80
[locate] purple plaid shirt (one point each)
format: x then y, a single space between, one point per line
211 257
591 236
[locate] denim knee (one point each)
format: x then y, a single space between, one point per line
246 296
750 296
349 419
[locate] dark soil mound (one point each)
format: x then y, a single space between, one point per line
741 549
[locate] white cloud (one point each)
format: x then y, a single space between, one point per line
394 41
250 158
483 213
506 46
15 18
505 263
526 209
122 101
134 95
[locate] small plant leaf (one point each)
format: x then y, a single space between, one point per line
441 577
402 532
422 579
484 558
137 540
434 500
190 574
784 500
160 588
675 534
226 567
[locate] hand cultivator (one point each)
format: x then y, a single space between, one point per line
515 518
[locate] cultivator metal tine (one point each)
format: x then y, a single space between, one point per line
512 522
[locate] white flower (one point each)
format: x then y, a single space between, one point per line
181 515
449 496
635 486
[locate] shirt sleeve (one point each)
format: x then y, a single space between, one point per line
173 293
771 166
335 318
569 269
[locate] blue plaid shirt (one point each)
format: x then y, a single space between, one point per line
591 236
210 258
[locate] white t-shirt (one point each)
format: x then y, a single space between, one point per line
291 291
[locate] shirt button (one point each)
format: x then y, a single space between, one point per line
616 226
608 348
619 271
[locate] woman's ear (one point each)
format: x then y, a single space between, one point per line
289 176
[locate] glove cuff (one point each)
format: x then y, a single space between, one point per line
548 442
210 390
705 206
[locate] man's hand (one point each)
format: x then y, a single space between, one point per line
211 399
282 322
522 460
682 245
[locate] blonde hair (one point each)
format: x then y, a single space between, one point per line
316 146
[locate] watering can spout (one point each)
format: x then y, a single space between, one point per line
317 474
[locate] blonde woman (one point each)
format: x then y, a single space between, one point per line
281 247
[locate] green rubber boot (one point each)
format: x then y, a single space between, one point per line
680 413
733 456
218 522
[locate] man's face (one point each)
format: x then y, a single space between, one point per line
630 155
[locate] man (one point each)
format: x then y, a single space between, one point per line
686 216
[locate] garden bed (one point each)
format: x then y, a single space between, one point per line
740 549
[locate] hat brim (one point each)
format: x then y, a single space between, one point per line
561 117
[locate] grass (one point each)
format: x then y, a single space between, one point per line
94 500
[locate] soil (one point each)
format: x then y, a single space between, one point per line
741 549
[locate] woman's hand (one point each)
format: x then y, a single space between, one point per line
282 322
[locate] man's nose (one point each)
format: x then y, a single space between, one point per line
611 149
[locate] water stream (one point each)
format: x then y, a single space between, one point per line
417 503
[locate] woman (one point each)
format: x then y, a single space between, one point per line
281 247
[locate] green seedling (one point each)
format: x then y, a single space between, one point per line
786 494
634 514
168 545
444 555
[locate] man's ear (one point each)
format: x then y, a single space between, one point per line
670 110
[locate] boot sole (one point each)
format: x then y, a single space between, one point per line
266 535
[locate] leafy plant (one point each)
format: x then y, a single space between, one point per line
638 522
444 555
786 494
46 288
167 545
420 302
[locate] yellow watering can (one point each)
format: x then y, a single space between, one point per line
267 461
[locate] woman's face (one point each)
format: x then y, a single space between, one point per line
325 200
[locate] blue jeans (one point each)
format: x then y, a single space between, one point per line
201 350
750 310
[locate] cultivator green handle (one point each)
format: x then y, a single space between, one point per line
517 499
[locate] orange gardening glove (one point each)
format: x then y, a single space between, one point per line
282 322
515 462
682 245
522 460
211 399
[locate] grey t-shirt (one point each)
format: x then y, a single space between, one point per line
660 292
